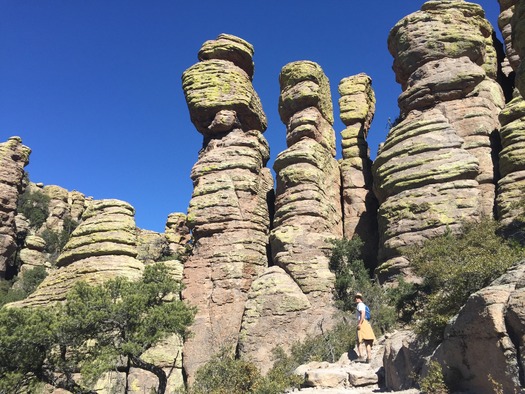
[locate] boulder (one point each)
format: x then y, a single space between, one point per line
483 344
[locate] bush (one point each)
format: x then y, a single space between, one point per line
351 276
224 374
25 286
455 266
34 205
433 382
56 240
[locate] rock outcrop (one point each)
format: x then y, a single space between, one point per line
511 185
102 247
178 234
483 347
228 213
357 107
307 202
436 167
294 296
13 158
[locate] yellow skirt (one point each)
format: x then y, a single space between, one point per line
366 332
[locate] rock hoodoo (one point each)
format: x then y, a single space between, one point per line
357 106
436 167
228 213
13 158
307 203
103 246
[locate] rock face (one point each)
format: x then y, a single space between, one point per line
357 106
436 168
512 134
307 203
294 296
177 233
13 158
483 347
228 212
102 247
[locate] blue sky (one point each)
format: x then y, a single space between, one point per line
94 87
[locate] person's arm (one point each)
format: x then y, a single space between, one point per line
361 318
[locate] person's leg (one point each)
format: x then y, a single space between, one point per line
368 345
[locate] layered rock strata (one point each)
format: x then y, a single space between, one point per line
491 323
294 296
177 233
357 107
13 158
307 202
436 167
102 247
511 185
228 213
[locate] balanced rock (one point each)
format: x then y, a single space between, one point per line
357 106
483 343
13 158
102 247
436 167
228 213
219 91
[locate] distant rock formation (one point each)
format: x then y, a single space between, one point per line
102 247
228 213
13 158
436 167
357 107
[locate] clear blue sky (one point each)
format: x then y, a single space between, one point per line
94 87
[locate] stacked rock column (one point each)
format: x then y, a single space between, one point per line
357 107
308 202
436 167
228 213
511 186
13 158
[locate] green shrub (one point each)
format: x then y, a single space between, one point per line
351 276
34 205
25 286
224 374
433 382
455 266
56 240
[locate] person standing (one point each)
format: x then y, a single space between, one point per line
365 333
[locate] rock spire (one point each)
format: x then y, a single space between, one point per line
228 213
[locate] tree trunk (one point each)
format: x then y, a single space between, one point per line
157 371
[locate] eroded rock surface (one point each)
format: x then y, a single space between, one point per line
295 295
307 204
436 167
102 247
13 158
228 212
484 344
357 106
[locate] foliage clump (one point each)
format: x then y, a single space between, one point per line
352 276
18 289
91 332
454 266
34 205
433 382
56 240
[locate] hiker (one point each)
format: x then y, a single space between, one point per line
364 329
